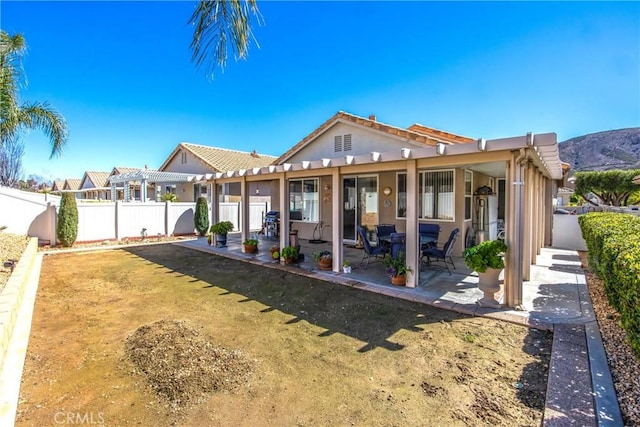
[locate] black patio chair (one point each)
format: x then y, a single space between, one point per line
444 254
368 250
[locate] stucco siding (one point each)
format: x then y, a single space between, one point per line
363 141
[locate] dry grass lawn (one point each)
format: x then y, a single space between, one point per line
286 350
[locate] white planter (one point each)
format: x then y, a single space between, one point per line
346 269
489 284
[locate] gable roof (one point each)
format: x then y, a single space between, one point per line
98 179
72 184
58 184
416 133
117 170
222 159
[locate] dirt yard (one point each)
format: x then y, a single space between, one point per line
163 335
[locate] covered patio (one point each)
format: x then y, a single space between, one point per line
554 294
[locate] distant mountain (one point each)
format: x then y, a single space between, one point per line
614 149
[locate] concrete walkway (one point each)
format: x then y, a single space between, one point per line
580 390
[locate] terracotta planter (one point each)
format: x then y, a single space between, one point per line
289 260
325 264
250 249
400 280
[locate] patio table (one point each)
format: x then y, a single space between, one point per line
423 239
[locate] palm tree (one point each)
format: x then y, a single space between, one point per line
218 22
14 116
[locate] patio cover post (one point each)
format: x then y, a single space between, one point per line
214 202
127 191
113 192
411 245
515 226
143 190
244 209
284 211
528 220
336 219
548 211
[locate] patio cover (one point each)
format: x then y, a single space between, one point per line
144 176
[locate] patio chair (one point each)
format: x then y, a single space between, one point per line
429 230
368 250
384 231
398 244
444 254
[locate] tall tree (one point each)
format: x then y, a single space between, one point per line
612 187
216 24
16 116
11 153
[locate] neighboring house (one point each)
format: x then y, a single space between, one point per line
95 186
58 186
354 171
133 186
72 185
202 160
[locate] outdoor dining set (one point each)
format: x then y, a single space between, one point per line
393 244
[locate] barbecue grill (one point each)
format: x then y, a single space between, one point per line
272 224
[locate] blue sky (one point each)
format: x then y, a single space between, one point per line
120 73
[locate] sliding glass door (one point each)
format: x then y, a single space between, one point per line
360 195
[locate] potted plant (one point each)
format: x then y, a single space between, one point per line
250 246
289 254
346 266
397 269
220 230
275 249
487 259
324 259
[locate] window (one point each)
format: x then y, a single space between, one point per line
468 193
401 195
304 199
436 195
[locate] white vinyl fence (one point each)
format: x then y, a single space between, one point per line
36 214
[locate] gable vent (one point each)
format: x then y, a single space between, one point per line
347 142
337 143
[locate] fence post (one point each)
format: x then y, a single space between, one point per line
166 218
117 218
53 224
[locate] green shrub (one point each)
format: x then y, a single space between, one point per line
488 254
67 229
201 216
613 242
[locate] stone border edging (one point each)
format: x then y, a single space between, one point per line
13 293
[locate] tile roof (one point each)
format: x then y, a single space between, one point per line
58 185
72 183
416 133
117 170
222 159
98 179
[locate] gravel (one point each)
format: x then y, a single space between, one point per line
11 248
623 363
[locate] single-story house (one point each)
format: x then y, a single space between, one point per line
95 186
353 171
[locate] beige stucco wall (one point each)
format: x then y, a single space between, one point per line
193 165
363 141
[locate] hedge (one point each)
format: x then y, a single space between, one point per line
613 241
201 216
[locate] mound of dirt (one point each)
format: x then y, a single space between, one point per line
182 366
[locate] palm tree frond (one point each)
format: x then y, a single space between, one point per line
218 22
39 115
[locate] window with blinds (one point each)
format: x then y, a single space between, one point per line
436 195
